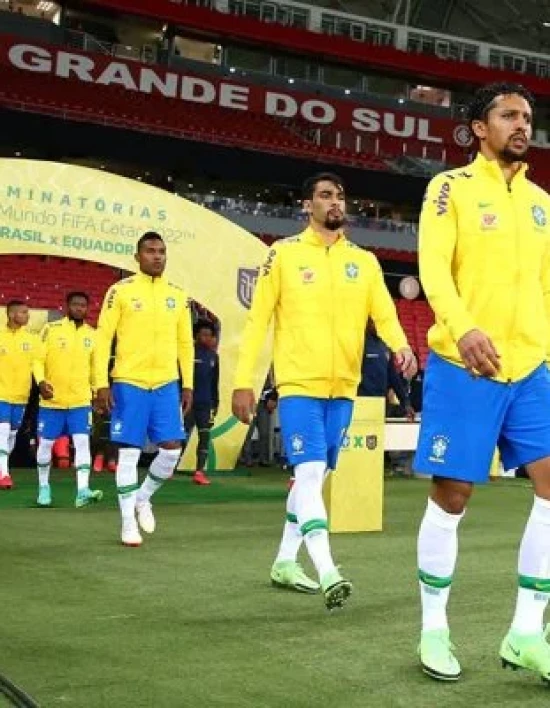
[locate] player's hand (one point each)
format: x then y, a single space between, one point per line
478 353
271 404
46 390
409 412
405 361
243 404
103 402
186 400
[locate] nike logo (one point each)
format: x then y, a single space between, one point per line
515 652
484 205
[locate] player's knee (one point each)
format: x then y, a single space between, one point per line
451 495
539 473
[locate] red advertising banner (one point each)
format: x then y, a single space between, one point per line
160 83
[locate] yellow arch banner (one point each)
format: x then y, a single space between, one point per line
50 208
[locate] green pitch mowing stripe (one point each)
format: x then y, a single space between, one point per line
266 486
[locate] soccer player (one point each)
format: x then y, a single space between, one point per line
485 267
206 397
151 321
18 347
320 289
63 371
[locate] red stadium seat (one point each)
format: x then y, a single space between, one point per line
114 106
416 318
44 281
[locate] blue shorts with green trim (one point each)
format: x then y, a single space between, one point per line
465 418
141 414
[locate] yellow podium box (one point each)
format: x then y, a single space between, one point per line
354 493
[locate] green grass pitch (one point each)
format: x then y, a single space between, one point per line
190 620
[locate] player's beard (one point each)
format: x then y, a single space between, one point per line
510 156
334 223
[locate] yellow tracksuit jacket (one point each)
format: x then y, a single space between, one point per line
65 361
320 298
484 254
18 349
151 320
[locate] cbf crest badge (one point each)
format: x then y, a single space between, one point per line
440 445
352 271
170 303
246 282
297 443
539 215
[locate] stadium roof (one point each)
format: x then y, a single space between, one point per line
505 22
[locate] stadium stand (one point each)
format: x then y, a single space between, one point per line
136 111
44 281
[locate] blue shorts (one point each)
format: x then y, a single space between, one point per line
464 419
12 413
140 414
55 422
313 429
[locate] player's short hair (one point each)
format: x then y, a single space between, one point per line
14 303
308 188
148 236
77 293
203 324
485 97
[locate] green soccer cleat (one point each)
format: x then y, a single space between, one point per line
436 655
335 589
527 651
44 495
87 496
290 575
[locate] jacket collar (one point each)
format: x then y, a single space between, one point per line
311 236
66 322
15 332
149 278
492 168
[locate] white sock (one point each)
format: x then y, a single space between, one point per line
11 441
82 460
437 554
161 469
292 536
4 448
127 481
312 515
44 460
534 570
